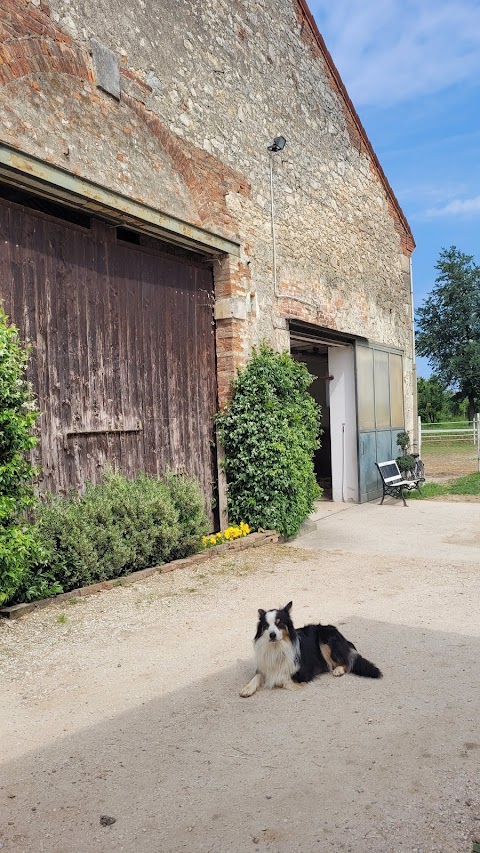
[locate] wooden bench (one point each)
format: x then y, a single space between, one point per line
393 482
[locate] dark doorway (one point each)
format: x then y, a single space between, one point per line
316 359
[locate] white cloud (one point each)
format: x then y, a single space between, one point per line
427 193
389 51
468 207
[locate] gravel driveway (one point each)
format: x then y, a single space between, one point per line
125 705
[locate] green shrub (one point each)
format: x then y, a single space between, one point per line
406 463
18 415
19 551
116 527
187 498
23 565
270 431
403 440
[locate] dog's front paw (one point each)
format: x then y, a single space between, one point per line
338 671
252 685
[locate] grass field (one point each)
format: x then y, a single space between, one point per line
464 486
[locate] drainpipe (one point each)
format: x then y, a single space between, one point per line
274 243
275 147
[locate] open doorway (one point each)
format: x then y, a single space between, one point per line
333 365
316 359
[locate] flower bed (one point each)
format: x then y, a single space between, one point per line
227 535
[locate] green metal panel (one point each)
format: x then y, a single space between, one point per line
375 443
369 479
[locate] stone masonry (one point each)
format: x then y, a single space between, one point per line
204 87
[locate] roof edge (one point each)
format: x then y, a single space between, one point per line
409 244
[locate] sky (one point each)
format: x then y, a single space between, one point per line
412 70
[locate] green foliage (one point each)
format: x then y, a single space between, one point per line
270 432
405 462
403 440
18 415
23 561
432 399
19 550
436 403
187 498
429 490
469 485
38 582
116 527
456 407
449 326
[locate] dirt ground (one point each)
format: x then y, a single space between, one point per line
445 461
125 705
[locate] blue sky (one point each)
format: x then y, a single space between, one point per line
412 69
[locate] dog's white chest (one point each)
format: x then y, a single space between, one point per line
276 661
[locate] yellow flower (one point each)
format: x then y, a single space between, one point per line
227 535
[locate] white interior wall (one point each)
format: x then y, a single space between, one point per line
343 424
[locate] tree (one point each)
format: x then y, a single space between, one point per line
449 326
432 399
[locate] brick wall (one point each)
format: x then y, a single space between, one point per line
204 88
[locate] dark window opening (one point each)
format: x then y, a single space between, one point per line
45 205
147 241
128 236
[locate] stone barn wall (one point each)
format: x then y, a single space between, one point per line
203 86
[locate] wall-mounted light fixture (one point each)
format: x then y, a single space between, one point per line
277 145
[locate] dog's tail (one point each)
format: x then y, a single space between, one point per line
362 666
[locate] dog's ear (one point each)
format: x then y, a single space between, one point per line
288 607
261 613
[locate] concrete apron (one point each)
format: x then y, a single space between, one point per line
426 529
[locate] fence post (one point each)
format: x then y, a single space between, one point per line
477 418
419 436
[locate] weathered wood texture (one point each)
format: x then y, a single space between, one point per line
123 351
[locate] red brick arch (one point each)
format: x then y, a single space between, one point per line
30 43
207 179
22 57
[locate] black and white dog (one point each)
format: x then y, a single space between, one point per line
287 657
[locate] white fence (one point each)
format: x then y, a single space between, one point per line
461 432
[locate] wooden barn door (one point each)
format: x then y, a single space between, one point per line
123 360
